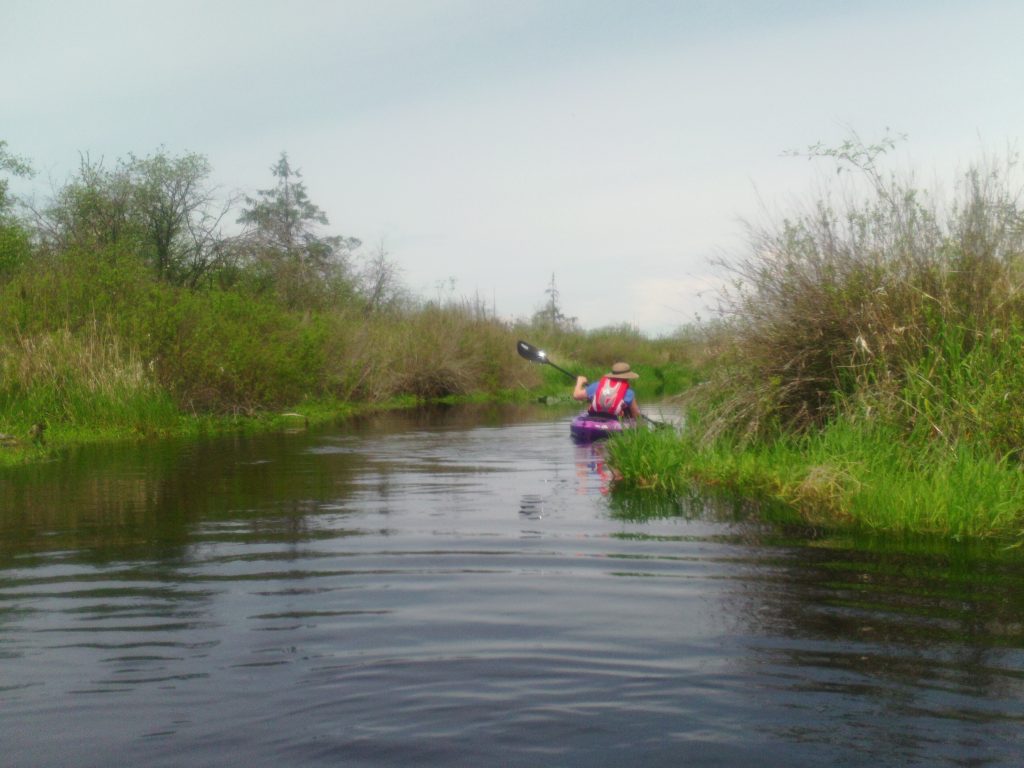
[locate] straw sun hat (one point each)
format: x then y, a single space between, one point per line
622 371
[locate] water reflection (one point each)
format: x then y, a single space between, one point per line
592 470
890 637
532 506
469 587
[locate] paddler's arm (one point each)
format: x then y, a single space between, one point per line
580 393
633 409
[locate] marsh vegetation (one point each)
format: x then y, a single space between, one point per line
134 302
868 365
865 369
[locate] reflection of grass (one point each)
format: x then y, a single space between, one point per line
627 504
840 477
130 420
628 501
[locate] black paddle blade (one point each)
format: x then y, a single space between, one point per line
530 352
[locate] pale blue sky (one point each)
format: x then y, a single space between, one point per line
616 145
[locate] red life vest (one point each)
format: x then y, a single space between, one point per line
609 396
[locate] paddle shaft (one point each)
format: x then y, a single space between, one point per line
572 376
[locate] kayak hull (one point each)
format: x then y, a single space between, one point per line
587 428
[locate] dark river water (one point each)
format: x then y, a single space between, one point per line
462 588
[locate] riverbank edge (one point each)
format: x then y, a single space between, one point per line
19 452
153 416
843 481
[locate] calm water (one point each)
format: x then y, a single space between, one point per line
461 589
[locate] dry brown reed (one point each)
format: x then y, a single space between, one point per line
93 359
437 351
838 305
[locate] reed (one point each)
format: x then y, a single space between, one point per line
69 380
435 350
854 301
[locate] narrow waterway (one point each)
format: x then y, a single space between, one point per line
462 588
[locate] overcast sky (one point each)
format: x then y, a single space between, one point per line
489 144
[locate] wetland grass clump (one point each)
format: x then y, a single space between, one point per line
435 350
73 380
872 371
845 304
838 477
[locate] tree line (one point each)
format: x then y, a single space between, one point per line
136 294
164 209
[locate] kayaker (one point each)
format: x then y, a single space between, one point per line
610 395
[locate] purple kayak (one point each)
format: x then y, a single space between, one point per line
586 427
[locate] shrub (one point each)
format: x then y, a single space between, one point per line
860 307
226 352
15 249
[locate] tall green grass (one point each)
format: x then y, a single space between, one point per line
71 381
92 343
434 351
667 365
840 477
234 351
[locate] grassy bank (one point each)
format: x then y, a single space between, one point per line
93 348
161 360
841 477
868 369
127 311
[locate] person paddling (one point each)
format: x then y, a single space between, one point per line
611 395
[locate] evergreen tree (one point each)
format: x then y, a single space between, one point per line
550 316
283 234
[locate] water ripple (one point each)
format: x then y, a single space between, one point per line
464 595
